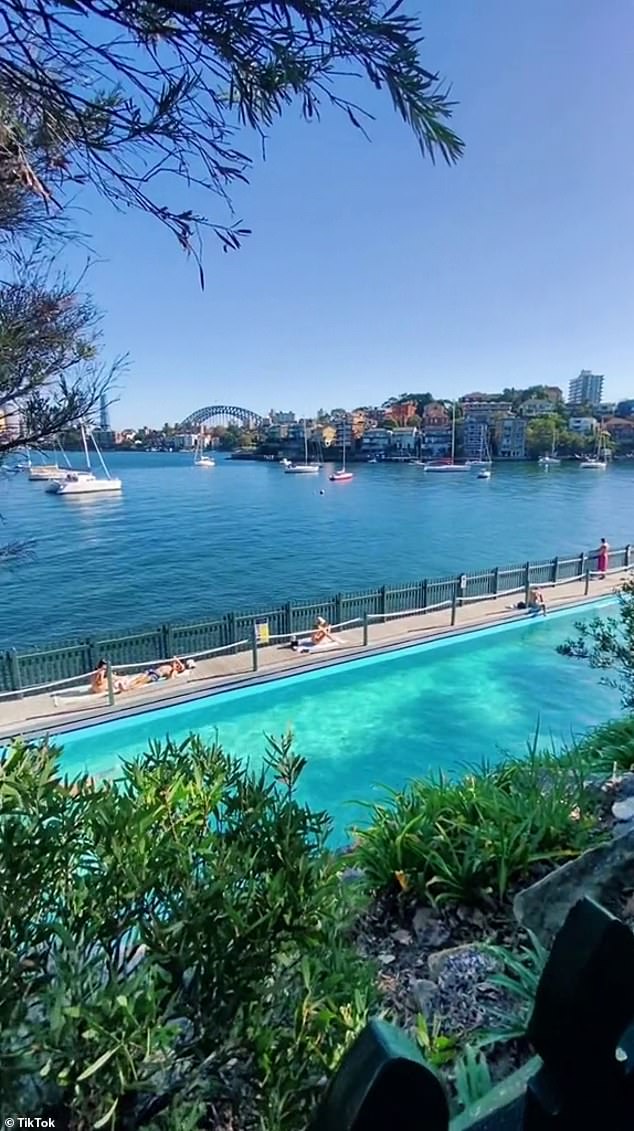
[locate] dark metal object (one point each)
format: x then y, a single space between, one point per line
582 1028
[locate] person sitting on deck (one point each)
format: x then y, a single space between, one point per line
536 602
99 681
321 632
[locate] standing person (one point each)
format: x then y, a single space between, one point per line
603 558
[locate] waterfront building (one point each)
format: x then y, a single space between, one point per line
475 438
587 388
343 432
553 393
404 441
376 441
510 437
624 409
583 425
436 440
621 431
360 422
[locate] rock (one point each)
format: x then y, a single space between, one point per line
429 929
402 937
623 810
626 786
386 958
543 907
459 963
351 875
424 993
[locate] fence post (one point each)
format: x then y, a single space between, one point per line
16 675
527 582
230 622
338 608
382 601
423 603
168 640
454 603
555 570
627 556
496 581
110 685
289 618
93 653
254 646
583 564
365 629
587 587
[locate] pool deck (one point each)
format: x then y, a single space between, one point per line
37 714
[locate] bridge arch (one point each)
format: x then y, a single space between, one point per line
225 413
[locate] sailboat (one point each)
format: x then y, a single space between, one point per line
39 471
85 482
341 475
547 460
200 459
484 459
598 462
305 468
443 468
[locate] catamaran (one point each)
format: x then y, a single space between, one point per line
305 468
85 482
444 468
200 458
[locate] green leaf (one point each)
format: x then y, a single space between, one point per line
101 1122
97 1064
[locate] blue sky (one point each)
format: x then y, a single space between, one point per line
370 271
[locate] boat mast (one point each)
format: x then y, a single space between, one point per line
101 459
453 431
85 443
305 444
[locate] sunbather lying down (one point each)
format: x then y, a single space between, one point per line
99 681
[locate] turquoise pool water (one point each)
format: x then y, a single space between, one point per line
378 721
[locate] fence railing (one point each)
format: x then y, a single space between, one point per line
582 1030
23 671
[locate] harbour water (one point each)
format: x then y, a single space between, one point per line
185 543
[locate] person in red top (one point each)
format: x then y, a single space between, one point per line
603 558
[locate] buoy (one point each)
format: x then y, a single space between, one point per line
322 492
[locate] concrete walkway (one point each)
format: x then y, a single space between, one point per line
37 714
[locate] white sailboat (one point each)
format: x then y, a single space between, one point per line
42 471
598 462
200 458
342 475
553 459
452 467
305 468
484 459
85 482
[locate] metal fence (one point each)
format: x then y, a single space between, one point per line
72 659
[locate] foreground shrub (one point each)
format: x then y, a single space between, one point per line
468 841
169 943
609 745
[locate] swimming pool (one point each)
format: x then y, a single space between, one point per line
382 719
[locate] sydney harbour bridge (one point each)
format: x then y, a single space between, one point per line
221 415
